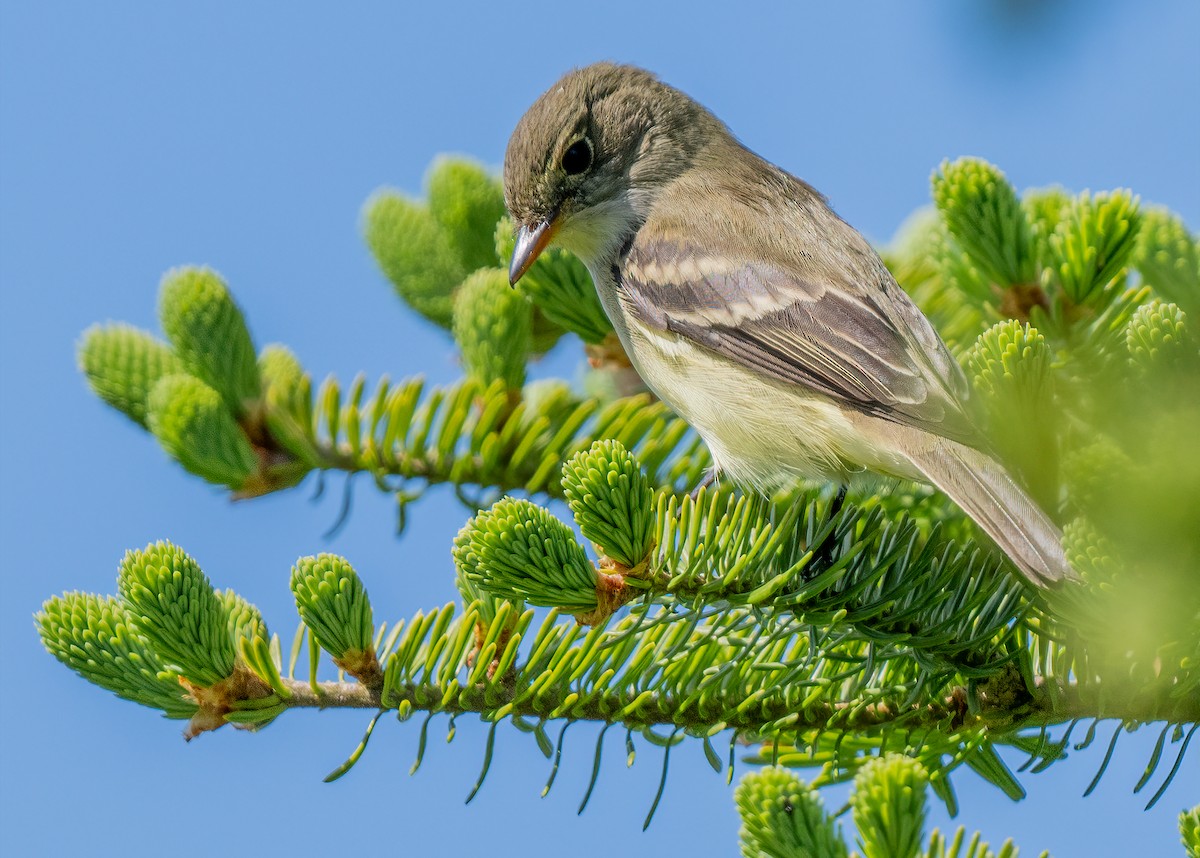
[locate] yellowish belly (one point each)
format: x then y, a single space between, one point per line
762 432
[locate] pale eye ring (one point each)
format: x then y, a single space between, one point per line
578 157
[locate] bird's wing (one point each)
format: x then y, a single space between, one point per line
868 347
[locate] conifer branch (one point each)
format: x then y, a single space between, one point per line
831 637
999 714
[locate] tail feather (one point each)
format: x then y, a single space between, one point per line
986 492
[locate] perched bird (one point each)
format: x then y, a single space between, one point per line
743 301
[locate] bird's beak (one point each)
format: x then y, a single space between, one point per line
531 241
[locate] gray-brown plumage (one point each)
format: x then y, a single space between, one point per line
750 307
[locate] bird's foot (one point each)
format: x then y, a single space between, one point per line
839 500
823 556
709 479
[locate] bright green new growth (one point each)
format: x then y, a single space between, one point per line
985 218
493 326
122 364
286 392
1189 831
1045 208
913 254
467 201
209 333
1011 360
177 611
1010 367
961 846
252 641
1168 258
889 806
95 637
783 817
245 620
518 551
1093 242
1157 336
957 268
193 423
280 371
415 254
928 264
560 286
333 603
426 250
468 578
612 501
469 589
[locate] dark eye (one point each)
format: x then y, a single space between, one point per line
578 157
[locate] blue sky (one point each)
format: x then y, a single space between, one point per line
138 136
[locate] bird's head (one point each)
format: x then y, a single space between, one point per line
586 161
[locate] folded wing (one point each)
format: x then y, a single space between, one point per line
864 344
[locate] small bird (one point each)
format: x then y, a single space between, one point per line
744 302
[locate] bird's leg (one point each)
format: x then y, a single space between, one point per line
709 479
839 499
824 554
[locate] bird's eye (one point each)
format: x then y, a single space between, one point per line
578 157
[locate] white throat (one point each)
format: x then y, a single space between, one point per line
596 233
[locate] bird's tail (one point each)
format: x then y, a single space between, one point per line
985 491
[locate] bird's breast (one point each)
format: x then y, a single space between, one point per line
760 433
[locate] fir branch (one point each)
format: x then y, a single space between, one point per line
468 434
1065 704
829 636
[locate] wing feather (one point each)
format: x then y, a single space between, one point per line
843 340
